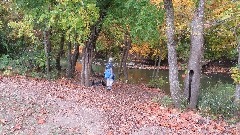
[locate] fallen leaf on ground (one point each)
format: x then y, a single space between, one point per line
3 121
41 121
17 127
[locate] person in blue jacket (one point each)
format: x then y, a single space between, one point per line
108 74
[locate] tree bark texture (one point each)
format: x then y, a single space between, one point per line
154 70
127 42
192 80
88 55
172 54
47 49
75 56
237 93
69 72
159 63
91 45
83 66
121 63
60 53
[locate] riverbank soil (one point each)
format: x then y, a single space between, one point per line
40 107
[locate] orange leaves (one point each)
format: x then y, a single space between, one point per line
188 121
41 121
17 127
143 50
3 121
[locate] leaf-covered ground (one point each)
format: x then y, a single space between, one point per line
39 107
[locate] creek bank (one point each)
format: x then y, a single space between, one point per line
207 68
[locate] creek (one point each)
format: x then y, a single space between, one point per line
137 76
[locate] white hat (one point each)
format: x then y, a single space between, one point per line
110 59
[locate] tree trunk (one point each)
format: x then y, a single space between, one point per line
121 63
88 55
83 66
159 63
237 93
172 54
60 52
91 45
127 42
69 73
75 57
154 70
87 65
192 80
47 49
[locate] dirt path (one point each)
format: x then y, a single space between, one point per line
38 107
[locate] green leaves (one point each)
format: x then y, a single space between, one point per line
140 19
74 17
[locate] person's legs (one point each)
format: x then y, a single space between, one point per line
109 83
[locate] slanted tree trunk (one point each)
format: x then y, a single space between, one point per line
192 80
60 53
172 54
69 72
47 49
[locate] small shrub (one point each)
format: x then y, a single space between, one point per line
7 72
5 60
156 100
218 100
156 83
166 101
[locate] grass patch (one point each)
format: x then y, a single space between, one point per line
218 100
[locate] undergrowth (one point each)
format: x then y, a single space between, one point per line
218 100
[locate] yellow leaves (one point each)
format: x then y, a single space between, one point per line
1 25
222 9
143 50
156 1
162 53
64 1
22 28
235 74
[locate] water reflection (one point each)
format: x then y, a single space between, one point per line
137 76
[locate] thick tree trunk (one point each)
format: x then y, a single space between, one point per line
192 80
83 66
172 54
69 72
87 65
91 45
47 49
60 52
88 55
237 93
